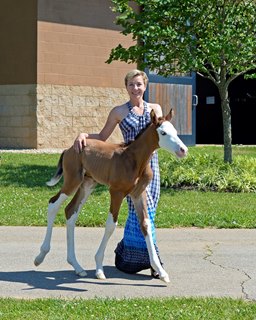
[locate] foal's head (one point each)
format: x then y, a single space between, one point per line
167 134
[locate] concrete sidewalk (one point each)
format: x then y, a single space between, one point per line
200 262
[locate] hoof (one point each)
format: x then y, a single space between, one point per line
165 279
40 258
82 273
37 262
100 275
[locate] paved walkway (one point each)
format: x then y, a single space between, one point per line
200 262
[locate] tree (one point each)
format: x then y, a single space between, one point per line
215 38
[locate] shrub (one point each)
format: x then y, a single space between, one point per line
203 171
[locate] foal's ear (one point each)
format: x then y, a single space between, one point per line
153 117
169 115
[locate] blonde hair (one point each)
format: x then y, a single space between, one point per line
134 73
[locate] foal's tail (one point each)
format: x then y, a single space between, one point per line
58 174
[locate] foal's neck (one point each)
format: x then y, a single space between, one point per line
144 145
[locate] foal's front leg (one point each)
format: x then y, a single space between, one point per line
116 200
109 229
141 209
72 211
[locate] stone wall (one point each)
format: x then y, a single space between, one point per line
18 116
51 116
65 111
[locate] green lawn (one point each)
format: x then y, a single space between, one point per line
127 309
24 197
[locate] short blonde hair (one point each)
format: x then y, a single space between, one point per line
134 73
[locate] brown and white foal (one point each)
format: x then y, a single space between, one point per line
126 170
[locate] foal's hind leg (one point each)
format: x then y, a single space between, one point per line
116 200
53 208
73 177
72 211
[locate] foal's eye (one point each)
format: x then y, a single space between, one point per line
163 133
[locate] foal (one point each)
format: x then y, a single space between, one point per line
126 170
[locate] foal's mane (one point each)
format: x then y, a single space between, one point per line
123 144
160 119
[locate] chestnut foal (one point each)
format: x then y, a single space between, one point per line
126 170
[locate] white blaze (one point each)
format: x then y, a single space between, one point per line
169 140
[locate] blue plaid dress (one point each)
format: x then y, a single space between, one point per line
131 253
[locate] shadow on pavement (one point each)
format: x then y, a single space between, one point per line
63 280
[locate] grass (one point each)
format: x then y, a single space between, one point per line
126 309
206 209
24 197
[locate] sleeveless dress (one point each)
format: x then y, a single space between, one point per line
131 253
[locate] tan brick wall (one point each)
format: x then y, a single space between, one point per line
18 116
65 111
74 55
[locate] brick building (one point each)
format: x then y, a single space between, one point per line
54 81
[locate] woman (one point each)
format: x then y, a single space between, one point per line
132 117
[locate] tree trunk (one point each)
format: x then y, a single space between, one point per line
227 128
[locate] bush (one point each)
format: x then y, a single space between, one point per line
203 171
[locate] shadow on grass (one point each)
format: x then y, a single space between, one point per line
32 176
25 175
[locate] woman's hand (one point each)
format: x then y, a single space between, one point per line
80 142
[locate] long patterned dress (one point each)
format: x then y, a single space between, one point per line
131 253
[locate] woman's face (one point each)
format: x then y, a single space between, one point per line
136 87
